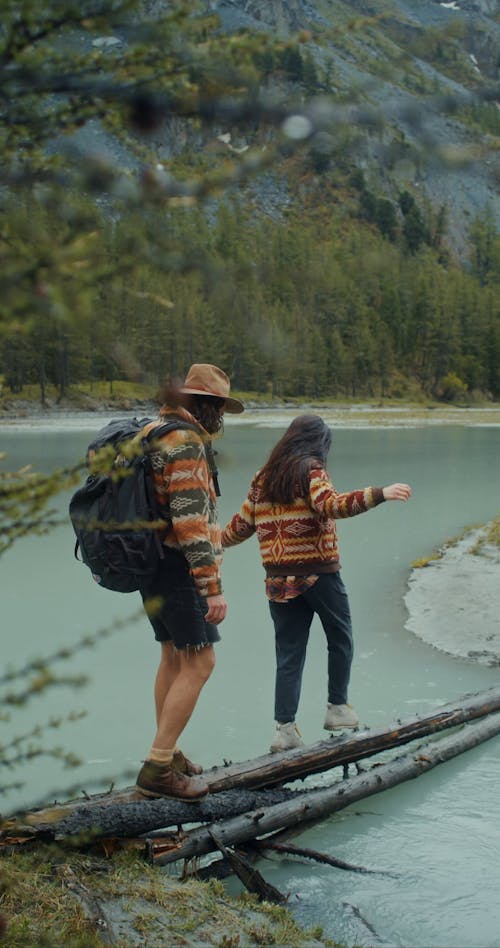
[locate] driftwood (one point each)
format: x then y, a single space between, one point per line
263 846
256 848
241 818
127 814
240 822
222 868
251 877
373 938
141 816
272 769
315 805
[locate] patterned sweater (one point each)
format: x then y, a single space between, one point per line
299 538
187 500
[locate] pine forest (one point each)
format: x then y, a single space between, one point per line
301 269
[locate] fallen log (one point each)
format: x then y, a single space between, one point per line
248 875
270 769
256 848
371 936
264 845
141 816
127 813
314 805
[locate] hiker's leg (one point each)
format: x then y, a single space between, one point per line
167 772
194 668
292 621
168 669
328 598
187 654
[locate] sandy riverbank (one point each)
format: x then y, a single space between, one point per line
363 415
454 601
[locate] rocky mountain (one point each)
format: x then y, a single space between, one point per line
426 73
428 68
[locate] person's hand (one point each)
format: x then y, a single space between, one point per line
217 608
397 492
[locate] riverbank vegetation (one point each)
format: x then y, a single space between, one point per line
52 896
320 305
488 537
124 395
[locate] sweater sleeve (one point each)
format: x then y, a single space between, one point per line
185 481
242 525
328 502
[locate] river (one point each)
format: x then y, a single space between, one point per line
439 836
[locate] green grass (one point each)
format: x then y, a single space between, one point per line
123 394
40 903
490 537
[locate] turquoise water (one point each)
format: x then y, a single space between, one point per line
440 834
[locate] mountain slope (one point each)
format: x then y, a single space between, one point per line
428 70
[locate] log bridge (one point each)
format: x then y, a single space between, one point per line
251 808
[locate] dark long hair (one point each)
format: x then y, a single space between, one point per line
285 474
205 408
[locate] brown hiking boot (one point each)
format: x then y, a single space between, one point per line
158 780
185 766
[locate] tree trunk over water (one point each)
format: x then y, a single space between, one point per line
314 805
286 766
127 814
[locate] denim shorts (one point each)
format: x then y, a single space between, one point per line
180 615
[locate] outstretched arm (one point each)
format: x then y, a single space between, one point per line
242 525
326 501
397 492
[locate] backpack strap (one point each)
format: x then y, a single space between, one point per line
210 456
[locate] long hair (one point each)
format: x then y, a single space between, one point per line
285 474
205 408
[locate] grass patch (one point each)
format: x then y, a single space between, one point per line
83 396
489 537
438 554
45 896
425 560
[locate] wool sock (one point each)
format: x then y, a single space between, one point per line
161 755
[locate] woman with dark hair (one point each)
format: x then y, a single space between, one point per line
292 505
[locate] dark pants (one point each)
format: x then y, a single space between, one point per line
327 598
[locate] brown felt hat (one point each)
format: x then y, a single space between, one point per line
204 379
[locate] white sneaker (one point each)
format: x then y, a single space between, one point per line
287 736
340 715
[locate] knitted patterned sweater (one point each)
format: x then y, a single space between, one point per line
299 538
187 500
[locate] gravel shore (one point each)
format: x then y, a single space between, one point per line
19 415
454 601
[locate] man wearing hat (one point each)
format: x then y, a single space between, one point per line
184 601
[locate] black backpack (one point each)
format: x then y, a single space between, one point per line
115 515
